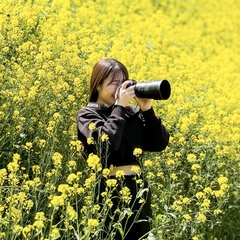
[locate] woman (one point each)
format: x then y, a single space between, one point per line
127 128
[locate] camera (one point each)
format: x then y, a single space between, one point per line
156 89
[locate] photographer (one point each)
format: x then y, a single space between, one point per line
127 127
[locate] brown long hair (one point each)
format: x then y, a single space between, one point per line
102 69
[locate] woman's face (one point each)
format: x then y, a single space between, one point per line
106 91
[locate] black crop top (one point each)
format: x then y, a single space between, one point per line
127 128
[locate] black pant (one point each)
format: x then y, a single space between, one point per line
141 211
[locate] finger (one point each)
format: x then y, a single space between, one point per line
117 92
124 85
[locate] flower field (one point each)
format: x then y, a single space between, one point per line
48 49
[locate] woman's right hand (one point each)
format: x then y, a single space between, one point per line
124 94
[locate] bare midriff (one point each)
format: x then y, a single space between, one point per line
128 170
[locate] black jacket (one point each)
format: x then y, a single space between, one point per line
127 128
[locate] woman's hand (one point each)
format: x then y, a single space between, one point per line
123 94
144 103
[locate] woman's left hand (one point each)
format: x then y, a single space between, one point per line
144 103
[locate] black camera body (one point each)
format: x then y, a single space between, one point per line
156 89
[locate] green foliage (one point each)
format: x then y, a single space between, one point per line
48 49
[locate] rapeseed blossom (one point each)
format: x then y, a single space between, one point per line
57 201
92 126
148 163
106 172
72 178
111 183
137 152
57 160
120 174
3 175
126 194
92 223
201 217
48 51
94 162
71 213
104 137
187 217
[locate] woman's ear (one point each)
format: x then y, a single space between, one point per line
98 87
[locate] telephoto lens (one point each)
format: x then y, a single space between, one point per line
156 89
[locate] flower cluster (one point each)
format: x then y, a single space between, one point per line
48 49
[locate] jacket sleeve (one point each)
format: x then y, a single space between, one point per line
155 135
113 125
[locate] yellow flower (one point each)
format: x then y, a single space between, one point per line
40 216
3 175
111 182
16 157
186 200
17 230
104 137
56 116
76 145
219 193
109 203
174 176
93 222
55 233
170 162
206 203
104 194
202 218
57 201
57 160
126 194
150 175
37 181
224 187
139 181
106 172
92 126
90 140
90 181
222 180
71 213
38 225
120 174
195 167
148 163
28 146
63 188
94 162
207 190
36 169
200 195
71 98
136 169
187 217
217 211
72 165
191 157
42 143
80 190
137 152
26 231
13 166
72 178
160 174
